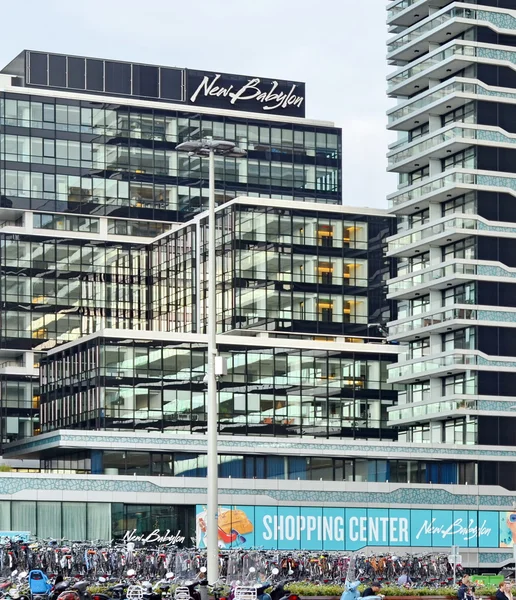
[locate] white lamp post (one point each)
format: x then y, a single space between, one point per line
211 148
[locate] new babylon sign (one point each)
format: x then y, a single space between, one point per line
310 528
163 538
252 94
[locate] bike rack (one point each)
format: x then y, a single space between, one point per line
243 592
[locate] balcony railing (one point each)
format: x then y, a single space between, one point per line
428 25
467 224
461 133
458 86
401 6
499 20
414 411
461 358
12 363
429 275
450 179
457 266
455 49
445 315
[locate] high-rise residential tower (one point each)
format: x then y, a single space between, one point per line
454 78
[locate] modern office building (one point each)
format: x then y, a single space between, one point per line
103 290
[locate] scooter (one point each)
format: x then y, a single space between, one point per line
77 591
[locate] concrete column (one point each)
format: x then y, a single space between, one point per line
28 220
103 226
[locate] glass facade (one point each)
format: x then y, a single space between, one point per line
249 466
100 228
268 390
101 159
93 520
147 517
293 270
57 520
54 290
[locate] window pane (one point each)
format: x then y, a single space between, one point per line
38 64
74 520
57 70
76 73
99 521
5 515
24 516
95 75
49 520
118 78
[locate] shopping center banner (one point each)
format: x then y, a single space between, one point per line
291 528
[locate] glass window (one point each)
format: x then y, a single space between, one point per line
23 516
321 469
98 520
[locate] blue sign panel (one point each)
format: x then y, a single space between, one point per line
322 528
23 536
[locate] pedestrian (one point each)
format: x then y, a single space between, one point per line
503 592
373 590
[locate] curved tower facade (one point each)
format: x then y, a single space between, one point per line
455 80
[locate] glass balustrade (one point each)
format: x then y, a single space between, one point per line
456 134
466 359
455 268
464 223
504 20
456 87
446 315
449 179
456 49
444 406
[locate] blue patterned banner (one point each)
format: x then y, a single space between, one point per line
321 528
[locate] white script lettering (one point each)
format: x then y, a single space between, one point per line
271 99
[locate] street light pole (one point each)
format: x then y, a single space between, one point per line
212 483
210 148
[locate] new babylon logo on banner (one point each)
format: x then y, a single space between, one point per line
291 528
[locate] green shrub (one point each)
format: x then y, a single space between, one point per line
310 589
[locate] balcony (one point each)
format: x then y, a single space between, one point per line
447 185
444 62
440 27
440 63
447 319
439 277
407 157
448 274
448 95
448 140
447 363
450 406
404 13
444 186
449 229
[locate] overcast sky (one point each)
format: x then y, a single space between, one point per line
336 46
